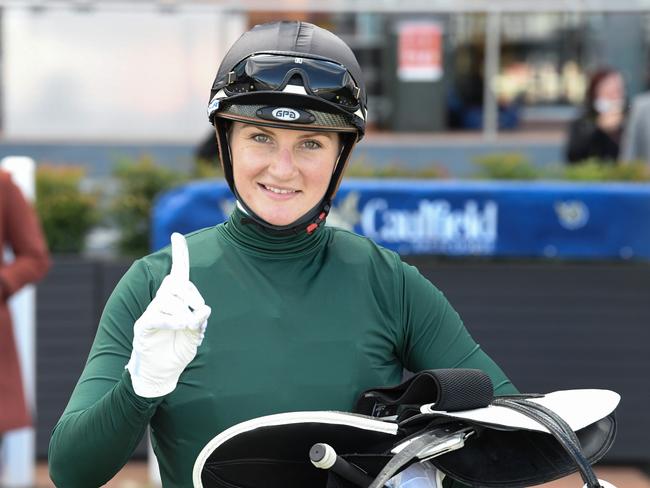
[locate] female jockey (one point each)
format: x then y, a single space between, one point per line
271 311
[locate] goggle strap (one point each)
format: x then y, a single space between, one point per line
231 78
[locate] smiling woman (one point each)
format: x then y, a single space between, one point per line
271 311
282 173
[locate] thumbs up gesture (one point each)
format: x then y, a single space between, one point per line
167 335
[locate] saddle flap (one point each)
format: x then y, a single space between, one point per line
273 450
496 458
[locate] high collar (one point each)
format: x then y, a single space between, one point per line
242 231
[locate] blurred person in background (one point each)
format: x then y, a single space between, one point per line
20 230
636 137
596 133
270 311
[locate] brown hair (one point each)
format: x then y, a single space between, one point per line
597 77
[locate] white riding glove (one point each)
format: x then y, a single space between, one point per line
167 335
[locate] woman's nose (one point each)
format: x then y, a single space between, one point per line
282 164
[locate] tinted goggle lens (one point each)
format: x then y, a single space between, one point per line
327 80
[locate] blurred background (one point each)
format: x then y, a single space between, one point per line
507 157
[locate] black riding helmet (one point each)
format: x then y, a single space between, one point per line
291 75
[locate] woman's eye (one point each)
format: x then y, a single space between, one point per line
311 144
263 138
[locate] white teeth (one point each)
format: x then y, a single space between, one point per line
279 190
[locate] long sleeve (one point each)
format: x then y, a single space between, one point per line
105 418
435 336
24 235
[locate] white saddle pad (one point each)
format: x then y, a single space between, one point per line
579 408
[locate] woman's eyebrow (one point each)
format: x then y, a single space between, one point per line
257 127
317 133
269 131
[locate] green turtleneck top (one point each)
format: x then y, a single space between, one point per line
300 322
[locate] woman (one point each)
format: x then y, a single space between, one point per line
597 132
271 311
21 231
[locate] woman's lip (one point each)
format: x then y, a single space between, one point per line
278 196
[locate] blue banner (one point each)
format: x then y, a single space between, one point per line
491 218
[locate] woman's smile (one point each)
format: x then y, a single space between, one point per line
278 192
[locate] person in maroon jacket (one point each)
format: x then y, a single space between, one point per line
20 230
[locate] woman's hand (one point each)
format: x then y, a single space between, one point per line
167 335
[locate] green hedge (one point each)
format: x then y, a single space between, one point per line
516 166
68 213
140 181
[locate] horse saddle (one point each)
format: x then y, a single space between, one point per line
447 417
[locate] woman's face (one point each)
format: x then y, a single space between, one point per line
281 174
611 88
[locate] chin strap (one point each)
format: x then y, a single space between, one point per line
309 222
320 220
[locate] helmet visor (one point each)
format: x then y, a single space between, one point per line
270 72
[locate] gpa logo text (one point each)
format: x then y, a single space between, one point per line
285 114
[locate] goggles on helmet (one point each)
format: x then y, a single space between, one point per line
273 72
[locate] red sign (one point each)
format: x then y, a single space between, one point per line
419 51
